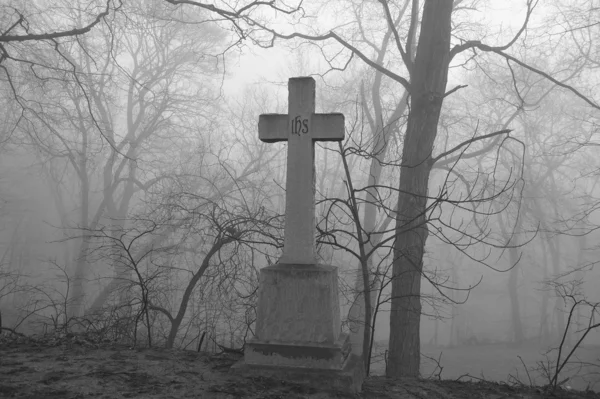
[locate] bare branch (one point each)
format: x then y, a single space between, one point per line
531 4
392 27
469 142
54 35
332 35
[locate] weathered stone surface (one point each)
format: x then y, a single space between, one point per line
301 127
298 304
347 380
324 356
297 335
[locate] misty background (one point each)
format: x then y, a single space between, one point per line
137 203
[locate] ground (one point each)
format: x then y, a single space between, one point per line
506 362
73 367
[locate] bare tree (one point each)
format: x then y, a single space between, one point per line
19 27
139 83
426 84
185 237
28 31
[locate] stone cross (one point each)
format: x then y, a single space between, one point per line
301 127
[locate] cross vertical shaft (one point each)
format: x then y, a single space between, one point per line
299 234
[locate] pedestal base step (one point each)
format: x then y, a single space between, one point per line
309 355
347 380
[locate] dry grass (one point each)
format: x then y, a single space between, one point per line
73 367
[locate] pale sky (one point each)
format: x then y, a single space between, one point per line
259 66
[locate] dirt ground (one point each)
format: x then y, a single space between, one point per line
72 367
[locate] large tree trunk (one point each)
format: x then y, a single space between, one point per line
80 273
543 332
428 85
559 303
512 242
513 291
578 329
453 341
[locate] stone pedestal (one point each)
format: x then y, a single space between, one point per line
297 335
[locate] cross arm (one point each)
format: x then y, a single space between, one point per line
324 127
328 127
272 128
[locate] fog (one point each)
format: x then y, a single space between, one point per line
137 202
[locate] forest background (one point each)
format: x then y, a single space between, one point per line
139 205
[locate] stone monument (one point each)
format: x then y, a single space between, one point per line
297 335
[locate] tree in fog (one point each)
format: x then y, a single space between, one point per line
124 131
108 132
192 239
30 28
551 140
428 29
184 237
